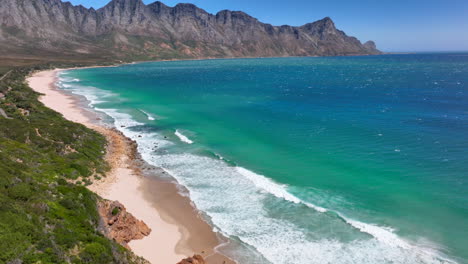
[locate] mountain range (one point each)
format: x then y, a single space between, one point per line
131 30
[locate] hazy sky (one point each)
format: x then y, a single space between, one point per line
395 25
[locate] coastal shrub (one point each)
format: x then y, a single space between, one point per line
115 211
82 170
21 191
16 231
95 253
65 237
68 203
44 218
12 244
62 181
87 182
70 173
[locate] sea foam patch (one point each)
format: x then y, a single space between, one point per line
148 115
182 137
274 188
92 94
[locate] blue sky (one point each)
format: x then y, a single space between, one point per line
395 25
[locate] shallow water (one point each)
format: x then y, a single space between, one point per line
307 160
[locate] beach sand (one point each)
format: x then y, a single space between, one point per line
178 231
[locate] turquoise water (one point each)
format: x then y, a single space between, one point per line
307 160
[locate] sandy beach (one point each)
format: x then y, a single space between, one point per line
178 231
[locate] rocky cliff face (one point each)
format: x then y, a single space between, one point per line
118 224
196 259
129 28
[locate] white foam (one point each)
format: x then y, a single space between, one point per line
63 76
219 156
150 117
383 234
92 94
276 189
183 138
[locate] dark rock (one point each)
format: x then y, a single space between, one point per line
196 259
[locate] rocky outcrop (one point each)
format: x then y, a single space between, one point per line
131 28
120 225
370 45
196 259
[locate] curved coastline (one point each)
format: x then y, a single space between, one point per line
178 228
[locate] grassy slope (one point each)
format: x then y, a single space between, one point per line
43 217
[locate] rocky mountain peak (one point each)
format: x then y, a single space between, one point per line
158 4
328 23
124 5
186 6
129 28
324 28
159 8
126 2
324 24
187 9
370 45
327 20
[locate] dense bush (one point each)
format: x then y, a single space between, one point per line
96 253
21 191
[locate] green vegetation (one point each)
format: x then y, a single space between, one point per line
115 211
3 70
44 216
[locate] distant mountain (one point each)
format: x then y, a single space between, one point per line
129 29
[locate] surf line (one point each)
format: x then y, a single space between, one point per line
183 138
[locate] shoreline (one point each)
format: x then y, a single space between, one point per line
178 230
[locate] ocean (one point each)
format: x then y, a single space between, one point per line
306 160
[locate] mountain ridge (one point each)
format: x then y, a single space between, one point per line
130 29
